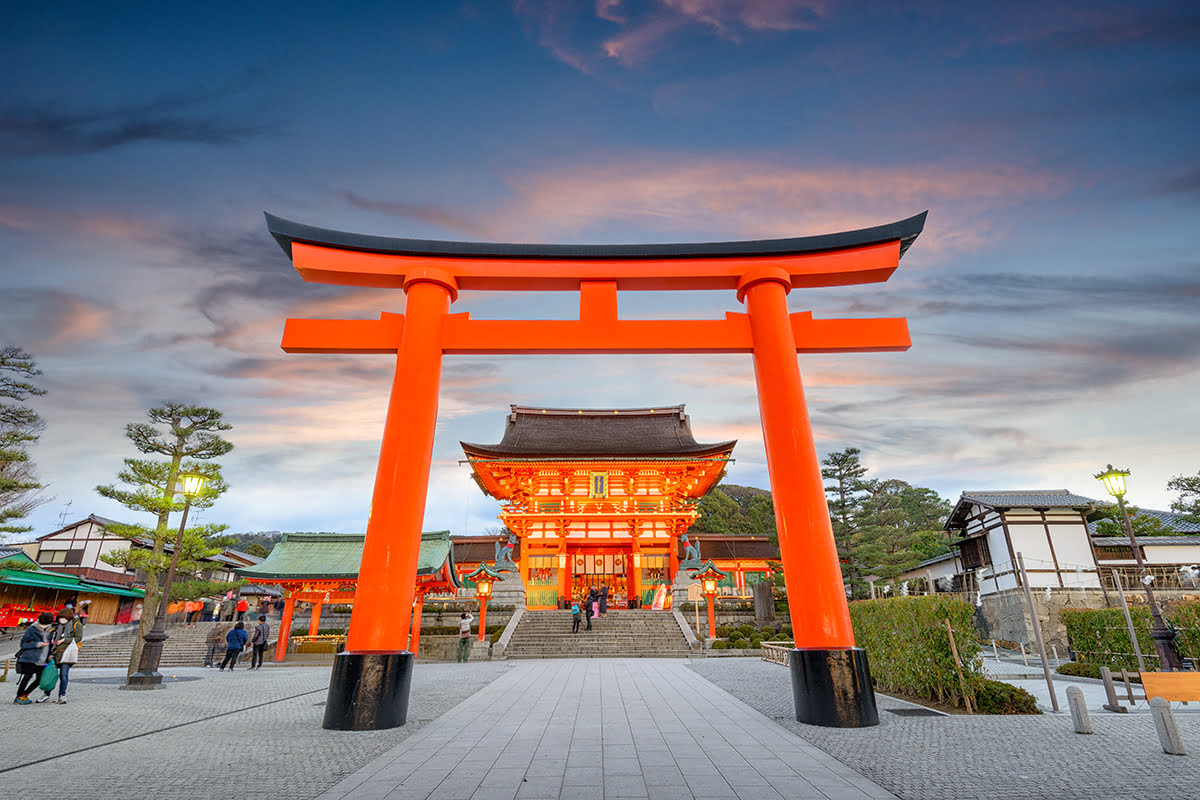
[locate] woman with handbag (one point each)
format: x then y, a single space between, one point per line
65 638
31 658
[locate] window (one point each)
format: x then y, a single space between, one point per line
53 557
73 558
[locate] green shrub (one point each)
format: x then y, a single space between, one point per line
780 637
1099 636
735 635
756 641
747 629
1083 669
740 644
1185 619
320 631
786 630
997 697
719 644
909 648
722 631
767 631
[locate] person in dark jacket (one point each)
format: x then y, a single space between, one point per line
235 642
604 599
31 658
262 632
576 617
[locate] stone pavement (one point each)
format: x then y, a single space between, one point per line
208 735
984 757
604 728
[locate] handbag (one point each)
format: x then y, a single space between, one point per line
71 654
49 677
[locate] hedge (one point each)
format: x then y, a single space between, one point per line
998 697
1100 636
909 649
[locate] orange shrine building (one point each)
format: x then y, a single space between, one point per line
605 496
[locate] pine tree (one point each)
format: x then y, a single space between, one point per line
1187 505
20 427
190 439
847 493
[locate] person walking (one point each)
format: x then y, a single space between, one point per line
31 658
213 640
67 632
235 642
576 617
464 637
587 606
258 640
604 599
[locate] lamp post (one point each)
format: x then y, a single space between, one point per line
484 576
709 576
147 675
1163 636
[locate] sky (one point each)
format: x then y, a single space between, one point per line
1052 298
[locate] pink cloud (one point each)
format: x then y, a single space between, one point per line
107 226
741 198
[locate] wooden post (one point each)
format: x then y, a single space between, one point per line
962 682
1037 632
1137 649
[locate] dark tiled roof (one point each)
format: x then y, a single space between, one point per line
1122 541
1172 522
532 432
286 232
1030 498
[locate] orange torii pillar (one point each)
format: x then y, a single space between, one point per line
314 620
830 678
285 626
371 680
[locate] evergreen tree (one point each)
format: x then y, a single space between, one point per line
900 527
191 439
1110 523
735 510
847 492
20 427
1187 505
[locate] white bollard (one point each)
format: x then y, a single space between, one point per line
1079 712
1168 731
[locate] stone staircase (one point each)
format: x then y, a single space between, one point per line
621 634
185 647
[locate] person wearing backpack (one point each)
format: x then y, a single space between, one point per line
235 642
64 638
464 636
576 617
31 658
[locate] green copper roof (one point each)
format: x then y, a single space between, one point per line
337 556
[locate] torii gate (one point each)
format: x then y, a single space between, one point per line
370 683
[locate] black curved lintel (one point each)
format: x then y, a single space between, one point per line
286 232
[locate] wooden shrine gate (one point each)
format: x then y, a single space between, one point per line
370 683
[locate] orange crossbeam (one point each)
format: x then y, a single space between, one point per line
867 264
465 336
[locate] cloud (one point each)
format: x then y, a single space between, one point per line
424 212
584 40
758 199
50 320
42 130
106 225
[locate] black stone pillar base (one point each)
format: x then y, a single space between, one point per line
144 680
833 688
368 691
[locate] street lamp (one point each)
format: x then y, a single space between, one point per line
147 676
1163 636
484 576
709 576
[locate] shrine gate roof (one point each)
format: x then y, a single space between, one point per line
337 556
286 232
577 434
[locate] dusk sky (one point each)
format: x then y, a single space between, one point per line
1052 297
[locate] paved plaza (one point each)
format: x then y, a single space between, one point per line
604 728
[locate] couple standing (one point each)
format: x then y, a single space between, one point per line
45 642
